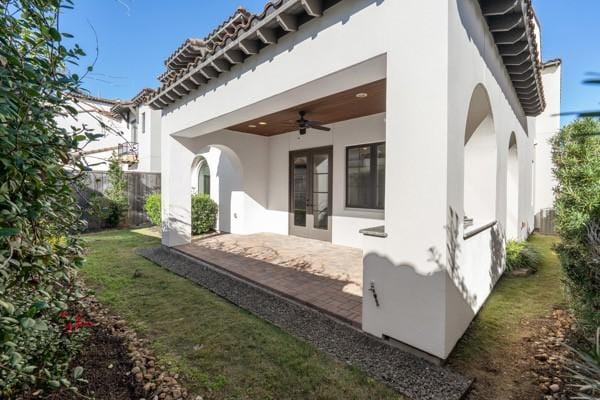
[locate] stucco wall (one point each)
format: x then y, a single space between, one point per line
148 140
548 124
474 60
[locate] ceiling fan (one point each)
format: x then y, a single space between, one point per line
304 124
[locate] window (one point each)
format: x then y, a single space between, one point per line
204 178
134 135
365 176
143 122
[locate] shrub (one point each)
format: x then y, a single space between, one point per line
117 191
204 214
40 248
152 208
584 371
520 255
107 211
576 158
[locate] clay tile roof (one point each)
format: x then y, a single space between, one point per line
552 63
97 99
245 34
143 96
513 26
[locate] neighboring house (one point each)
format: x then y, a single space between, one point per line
427 164
142 151
94 113
129 129
547 125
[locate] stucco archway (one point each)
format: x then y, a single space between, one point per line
480 160
226 182
512 189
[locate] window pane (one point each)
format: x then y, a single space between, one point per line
358 176
321 210
300 188
380 177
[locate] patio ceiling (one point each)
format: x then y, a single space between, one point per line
357 102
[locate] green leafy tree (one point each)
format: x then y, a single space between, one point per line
117 190
576 158
40 249
116 193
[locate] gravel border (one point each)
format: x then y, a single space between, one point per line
407 373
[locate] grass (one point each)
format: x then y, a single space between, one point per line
221 351
514 300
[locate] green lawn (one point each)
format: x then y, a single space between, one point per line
495 349
221 351
514 300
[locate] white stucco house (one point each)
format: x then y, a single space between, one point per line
94 113
547 125
142 151
128 129
423 155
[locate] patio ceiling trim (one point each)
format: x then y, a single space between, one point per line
512 24
233 46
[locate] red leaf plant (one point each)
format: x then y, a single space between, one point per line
75 324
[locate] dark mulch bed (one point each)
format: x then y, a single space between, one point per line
105 367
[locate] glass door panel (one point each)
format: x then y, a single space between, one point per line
310 193
300 192
320 204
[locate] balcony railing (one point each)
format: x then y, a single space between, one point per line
128 152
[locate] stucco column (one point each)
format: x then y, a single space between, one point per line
406 269
176 191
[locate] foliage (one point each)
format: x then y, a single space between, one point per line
152 208
106 210
117 189
40 249
521 255
204 213
584 371
576 158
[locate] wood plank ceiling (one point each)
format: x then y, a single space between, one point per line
357 102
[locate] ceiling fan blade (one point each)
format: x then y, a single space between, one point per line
320 128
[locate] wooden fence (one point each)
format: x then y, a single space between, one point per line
139 185
545 220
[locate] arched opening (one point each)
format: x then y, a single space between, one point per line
480 157
512 190
217 171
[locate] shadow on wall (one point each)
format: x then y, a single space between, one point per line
176 230
453 249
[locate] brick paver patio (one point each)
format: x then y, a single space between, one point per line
283 265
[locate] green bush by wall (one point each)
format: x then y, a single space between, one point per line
520 255
204 214
152 208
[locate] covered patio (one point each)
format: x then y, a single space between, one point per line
317 274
